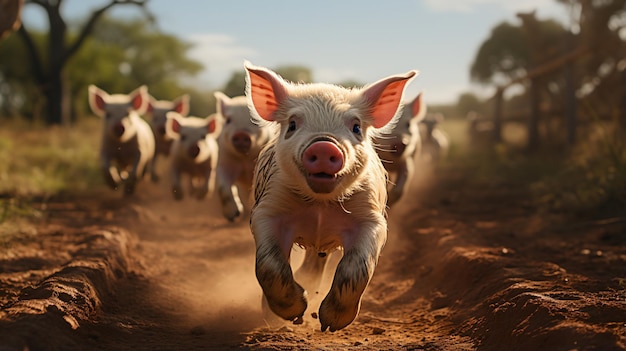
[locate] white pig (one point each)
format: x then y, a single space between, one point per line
435 142
397 149
240 142
127 146
320 184
194 153
157 110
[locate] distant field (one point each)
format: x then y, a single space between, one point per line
43 160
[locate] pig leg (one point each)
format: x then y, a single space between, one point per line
177 189
111 175
131 181
229 195
203 189
404 174
284 296
154 177
309 275
341 305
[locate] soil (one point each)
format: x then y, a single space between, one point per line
468 266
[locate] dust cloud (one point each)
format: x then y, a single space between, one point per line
200 268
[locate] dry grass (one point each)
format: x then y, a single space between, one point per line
37 160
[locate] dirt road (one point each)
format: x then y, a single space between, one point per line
468 266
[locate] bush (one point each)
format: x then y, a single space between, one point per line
593 180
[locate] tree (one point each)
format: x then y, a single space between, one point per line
9 16
468 102
511 52
122 55
50 74
602 27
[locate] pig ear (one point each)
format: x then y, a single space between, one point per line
418 107
151 103
139 99
97 100
172 125
384 97
181 105
221 102
213 127
265 90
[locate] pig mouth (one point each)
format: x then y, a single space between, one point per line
322 183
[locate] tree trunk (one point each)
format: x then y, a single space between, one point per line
56 51
535 115
497 116
570 104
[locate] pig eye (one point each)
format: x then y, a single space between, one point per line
183 137
228 120
292 126
356 129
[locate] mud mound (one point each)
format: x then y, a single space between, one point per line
56 283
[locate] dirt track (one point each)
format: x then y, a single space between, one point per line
467 267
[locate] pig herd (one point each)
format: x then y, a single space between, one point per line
316 165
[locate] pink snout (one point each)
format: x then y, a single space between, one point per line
161 131
193 151
118 129
242 142
322 157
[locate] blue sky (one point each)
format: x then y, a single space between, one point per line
362 40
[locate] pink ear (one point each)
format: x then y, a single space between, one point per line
265 89
175 125
139 99
417 106
181 105
97 100
385 96
150 107
211 126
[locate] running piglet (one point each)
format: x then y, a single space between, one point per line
319 184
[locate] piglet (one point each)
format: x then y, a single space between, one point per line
156 113
194 153
398 148
319 184
435 142
128 144
240 142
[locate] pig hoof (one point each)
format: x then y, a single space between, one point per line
178 193
335 315
201 194
292 312
129 189
232 215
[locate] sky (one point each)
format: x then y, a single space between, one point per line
339 40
